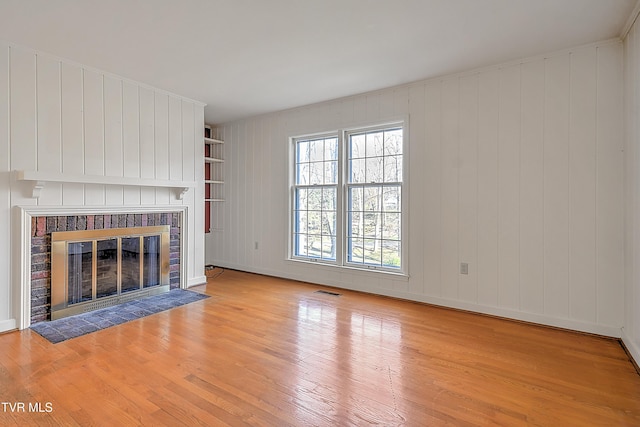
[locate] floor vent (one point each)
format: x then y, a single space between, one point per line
328 293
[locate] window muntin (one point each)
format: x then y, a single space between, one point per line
347 198
374 198
315 198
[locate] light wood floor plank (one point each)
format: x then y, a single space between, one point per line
264 351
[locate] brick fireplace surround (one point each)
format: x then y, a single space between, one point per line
43 226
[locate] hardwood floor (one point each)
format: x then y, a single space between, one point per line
271 352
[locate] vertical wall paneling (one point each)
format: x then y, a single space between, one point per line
630 225
532 188
556 186
251 194
94 152
262 170
175 136
432 215
131 130
468 188
508 188
633 288
161 133
113 137
72 131
417 243
449 193
225 237
609 166
130 140
113 144
240 181
24 155
49 113
6 297
631 328
147 143
49 124
196 258
488 101
373 106
190 152
582 182
147 133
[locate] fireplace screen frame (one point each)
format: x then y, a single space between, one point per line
60 305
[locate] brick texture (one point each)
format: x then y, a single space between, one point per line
43 226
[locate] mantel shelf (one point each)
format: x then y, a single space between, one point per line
40 179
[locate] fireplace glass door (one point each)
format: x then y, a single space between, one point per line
80 256
97 268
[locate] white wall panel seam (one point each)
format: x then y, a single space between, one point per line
570 188
84 169
61 135
497 189
9 100
595 185
544 187
35 124
519 174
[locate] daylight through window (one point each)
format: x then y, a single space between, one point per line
347 200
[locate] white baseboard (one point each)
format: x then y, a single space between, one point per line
632 347
195 281
8 325
541 319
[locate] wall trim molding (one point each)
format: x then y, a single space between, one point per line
632 347
8 325
630 21
196 281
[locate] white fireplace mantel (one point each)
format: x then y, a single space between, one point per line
39 180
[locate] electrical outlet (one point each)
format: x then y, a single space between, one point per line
464 268
255 245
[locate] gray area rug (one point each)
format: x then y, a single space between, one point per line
74 326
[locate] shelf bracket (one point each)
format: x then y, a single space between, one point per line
38 186
181 192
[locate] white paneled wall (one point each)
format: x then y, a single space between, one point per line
515 169
631 331
60 117
7 321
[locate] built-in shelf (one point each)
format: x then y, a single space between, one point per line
213 175
212 141
40 179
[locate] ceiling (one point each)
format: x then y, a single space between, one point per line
248 57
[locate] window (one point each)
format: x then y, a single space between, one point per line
315 204
347 198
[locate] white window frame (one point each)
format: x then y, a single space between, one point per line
341 259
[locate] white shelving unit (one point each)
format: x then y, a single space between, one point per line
213 176
213 161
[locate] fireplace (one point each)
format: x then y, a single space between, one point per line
92 269
40 223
